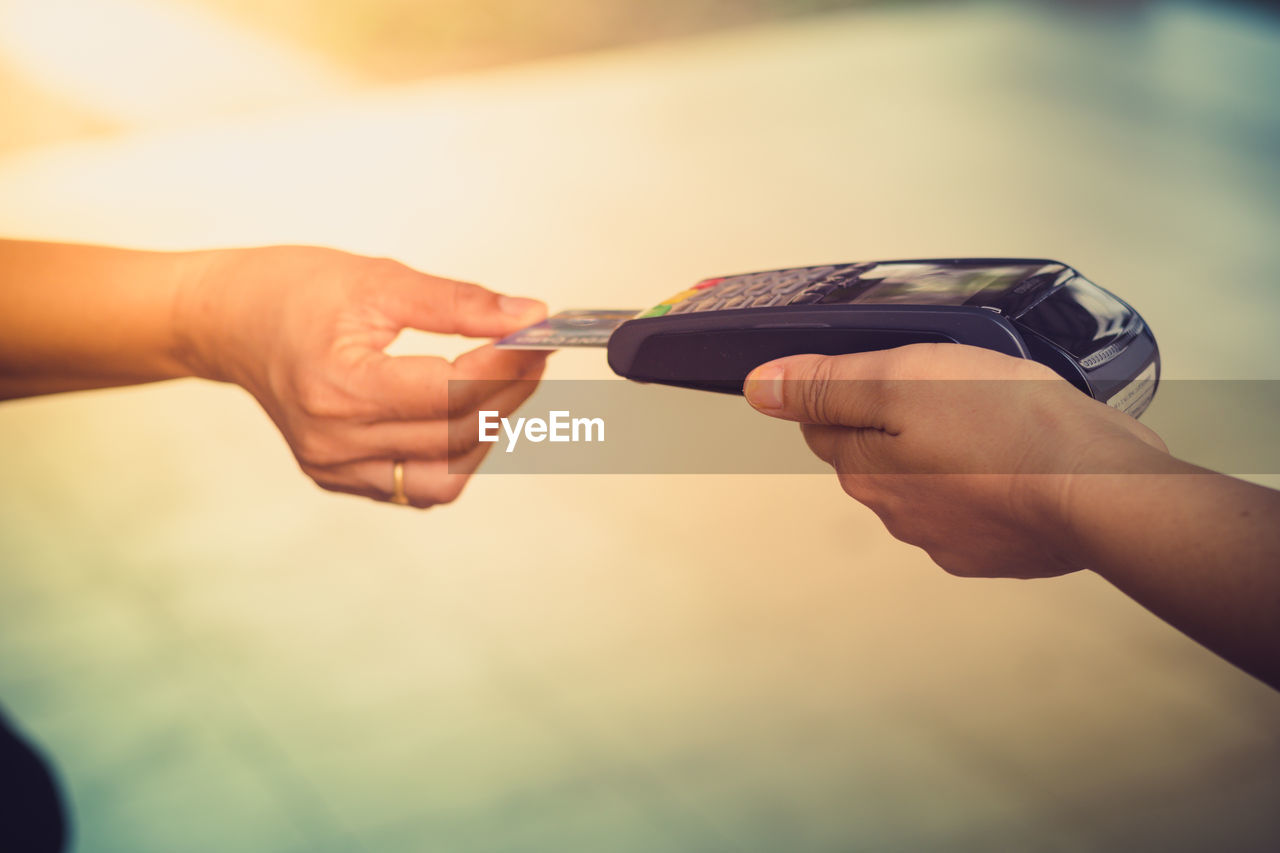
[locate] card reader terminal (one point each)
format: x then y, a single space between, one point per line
713 334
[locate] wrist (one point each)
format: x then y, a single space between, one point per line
1109 481
197 314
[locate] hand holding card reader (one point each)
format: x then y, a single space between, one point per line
713 334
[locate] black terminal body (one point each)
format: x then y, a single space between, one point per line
713 334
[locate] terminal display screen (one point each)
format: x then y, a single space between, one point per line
932 284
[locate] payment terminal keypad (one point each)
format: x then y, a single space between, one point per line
799 286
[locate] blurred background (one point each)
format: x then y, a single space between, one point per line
217 656
67 62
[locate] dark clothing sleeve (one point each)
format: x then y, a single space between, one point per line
32 819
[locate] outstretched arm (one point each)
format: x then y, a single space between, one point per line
303 329
75 317
1198 549
998 468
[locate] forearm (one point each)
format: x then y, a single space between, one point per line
1199 549
74 316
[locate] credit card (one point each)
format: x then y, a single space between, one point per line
579 328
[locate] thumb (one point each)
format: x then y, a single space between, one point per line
820 389
433 304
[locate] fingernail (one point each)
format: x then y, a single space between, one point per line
518 306
763 388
